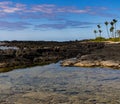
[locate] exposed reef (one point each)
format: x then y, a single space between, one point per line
108 56
30 53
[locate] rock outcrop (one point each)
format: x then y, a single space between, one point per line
109 56
91 63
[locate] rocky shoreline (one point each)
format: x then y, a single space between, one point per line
20 54
108 56
31 53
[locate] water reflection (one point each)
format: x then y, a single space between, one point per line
71 85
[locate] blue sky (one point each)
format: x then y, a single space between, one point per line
54 19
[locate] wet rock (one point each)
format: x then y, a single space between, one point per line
104 57
69 62
85 64
110 63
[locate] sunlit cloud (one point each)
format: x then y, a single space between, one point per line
46 10
10 7
52 12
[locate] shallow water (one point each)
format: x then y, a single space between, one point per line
53 84
5 48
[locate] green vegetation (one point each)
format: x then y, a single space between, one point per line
97 39
112 33
102 39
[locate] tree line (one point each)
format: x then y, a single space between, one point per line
111 29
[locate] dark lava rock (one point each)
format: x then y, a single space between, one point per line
31 53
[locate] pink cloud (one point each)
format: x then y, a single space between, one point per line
10 7
47 10
43 8
10 10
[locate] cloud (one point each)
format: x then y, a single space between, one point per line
10 9
52 12
4 25
20 10
101 11
66 24
45 8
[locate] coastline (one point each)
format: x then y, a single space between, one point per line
85 54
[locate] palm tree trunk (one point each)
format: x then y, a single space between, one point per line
108 32
115 31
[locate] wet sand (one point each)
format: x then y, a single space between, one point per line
53 84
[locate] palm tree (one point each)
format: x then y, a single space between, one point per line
106 23
95 31
98 26
112 23
115 21
112 31
100 31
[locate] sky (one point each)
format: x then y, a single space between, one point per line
55 20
